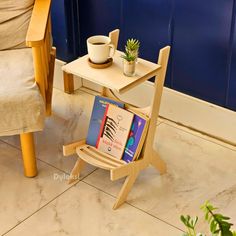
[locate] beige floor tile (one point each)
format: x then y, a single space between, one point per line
198 170
84 210
21 196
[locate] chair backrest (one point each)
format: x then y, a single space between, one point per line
14 21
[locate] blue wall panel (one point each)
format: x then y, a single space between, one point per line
65 28
150 22
200 48
97 17
231 98
59 27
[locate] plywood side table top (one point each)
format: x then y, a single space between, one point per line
113 77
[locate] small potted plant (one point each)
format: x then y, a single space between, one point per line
130 56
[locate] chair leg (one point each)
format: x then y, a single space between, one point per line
157 162
28 154
128 184
75 173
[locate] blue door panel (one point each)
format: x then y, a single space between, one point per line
150 22
200 48
231 99
65 28
97 17
59 27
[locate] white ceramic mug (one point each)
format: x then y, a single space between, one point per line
100 48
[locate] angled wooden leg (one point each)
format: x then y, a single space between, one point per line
128 184
28 154
68 82
157 162
75 173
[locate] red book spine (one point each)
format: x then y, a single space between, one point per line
102 126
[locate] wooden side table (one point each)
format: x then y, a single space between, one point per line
112 79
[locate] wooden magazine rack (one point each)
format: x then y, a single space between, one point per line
148 156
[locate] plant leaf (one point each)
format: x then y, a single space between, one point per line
213 226
185 234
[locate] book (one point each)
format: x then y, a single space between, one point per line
97 115
114 131
136 138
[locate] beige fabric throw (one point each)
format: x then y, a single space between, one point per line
22 107
14 20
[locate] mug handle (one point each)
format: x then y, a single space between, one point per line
112 49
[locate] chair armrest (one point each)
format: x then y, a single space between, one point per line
38 23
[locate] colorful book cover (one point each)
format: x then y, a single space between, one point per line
99 108
135 138
114 131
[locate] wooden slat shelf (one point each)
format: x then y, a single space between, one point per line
99 159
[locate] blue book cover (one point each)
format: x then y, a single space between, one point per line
134 139
99 108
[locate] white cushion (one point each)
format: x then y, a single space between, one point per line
21 104
14 20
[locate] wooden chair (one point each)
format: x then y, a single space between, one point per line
148 156
38 37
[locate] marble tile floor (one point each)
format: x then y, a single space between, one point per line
199 168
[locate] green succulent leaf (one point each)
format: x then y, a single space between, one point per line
132 44
128 57
131 49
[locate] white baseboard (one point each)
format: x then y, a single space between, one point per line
178 107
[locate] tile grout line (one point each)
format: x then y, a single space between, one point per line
73 185
197 131
55 167
133 206
47 163
11 145
188 132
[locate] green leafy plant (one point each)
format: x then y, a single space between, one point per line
131 49
132 45
218 223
